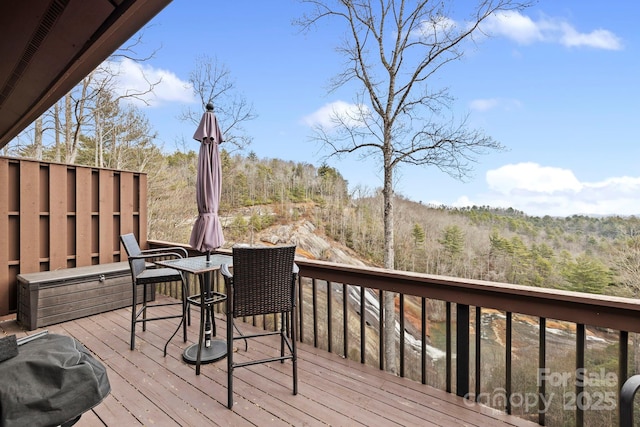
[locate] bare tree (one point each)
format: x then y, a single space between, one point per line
80 114
393 49
211 82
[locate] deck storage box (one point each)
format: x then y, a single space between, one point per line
50 297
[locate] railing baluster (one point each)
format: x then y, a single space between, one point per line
345 320
542 366
329 316
402 335
381 329
507 360
580 349
363 340
462 350
623 358
314 303
424 340
477 390
448 348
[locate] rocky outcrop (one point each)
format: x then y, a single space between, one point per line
311 245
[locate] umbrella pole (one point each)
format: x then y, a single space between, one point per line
207 325
212 350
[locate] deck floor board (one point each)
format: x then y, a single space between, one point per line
149 389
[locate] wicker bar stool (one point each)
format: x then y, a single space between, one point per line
263 282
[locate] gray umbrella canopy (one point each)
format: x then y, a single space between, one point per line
207 231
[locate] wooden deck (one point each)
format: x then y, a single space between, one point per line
149 389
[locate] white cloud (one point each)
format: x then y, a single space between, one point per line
133 77
483 105
438 25
531 177
328 115
545 190
515 26
524 30
601 39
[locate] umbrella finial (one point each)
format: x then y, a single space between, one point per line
209 106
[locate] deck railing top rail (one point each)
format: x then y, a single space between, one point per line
590 309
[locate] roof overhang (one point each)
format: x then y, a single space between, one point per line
48 46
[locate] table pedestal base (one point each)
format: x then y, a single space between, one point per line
216 351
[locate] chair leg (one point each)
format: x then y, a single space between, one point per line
230 360
144 307
185 312
282 334
134 309
294 347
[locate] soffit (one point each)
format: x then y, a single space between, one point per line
47 47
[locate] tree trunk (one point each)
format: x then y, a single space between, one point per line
37 138
389 262
68 127
57 130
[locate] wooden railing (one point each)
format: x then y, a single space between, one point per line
550 394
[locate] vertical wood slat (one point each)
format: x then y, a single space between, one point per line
105 216
4 237
126 208
142 209
83 217
57 217
29 217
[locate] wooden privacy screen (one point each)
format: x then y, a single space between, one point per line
56 216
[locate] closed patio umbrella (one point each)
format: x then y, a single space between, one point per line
207 231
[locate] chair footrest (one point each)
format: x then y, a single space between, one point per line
260 361
149 319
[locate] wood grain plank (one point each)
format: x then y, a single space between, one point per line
142 210
148 388
4 237
83 217
126 206
57 216
105 215
29 217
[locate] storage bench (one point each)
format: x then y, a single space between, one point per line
49 297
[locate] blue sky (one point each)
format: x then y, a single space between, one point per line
556 84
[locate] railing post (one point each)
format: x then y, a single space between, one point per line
462 350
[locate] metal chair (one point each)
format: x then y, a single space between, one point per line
145 275
263 282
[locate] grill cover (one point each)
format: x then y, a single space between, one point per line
52 381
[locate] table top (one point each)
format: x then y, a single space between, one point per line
197 264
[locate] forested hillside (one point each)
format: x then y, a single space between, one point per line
589 254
